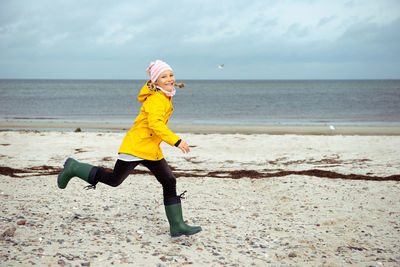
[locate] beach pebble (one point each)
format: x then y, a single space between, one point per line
21 222
9 232
73 217
140 232
97 232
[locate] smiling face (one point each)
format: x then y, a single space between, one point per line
166 80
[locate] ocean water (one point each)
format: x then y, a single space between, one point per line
259 102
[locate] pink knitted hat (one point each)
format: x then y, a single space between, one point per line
156 68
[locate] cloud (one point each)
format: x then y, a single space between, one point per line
117 34
54 39
92 36
325 20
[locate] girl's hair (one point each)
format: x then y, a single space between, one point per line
153 87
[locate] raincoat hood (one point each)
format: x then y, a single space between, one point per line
145 92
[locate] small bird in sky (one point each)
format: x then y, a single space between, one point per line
221 66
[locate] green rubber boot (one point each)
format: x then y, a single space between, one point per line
177 225
71 169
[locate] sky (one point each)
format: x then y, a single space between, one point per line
260 39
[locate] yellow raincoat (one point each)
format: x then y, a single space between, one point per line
150 128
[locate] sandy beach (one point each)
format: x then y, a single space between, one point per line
304 199
207 128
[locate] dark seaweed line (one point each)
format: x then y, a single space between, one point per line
49 170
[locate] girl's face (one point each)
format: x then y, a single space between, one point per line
166 80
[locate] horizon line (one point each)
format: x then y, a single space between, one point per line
189 79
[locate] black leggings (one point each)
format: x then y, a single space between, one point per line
122 169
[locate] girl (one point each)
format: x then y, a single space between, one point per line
141 145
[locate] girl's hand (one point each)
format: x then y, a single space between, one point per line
184 147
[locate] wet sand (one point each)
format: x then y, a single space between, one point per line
208 128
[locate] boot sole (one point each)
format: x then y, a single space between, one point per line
58 177
187 234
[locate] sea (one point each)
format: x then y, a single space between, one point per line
210 102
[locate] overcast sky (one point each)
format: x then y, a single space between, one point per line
261 39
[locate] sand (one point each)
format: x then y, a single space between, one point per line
207 128
262 199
